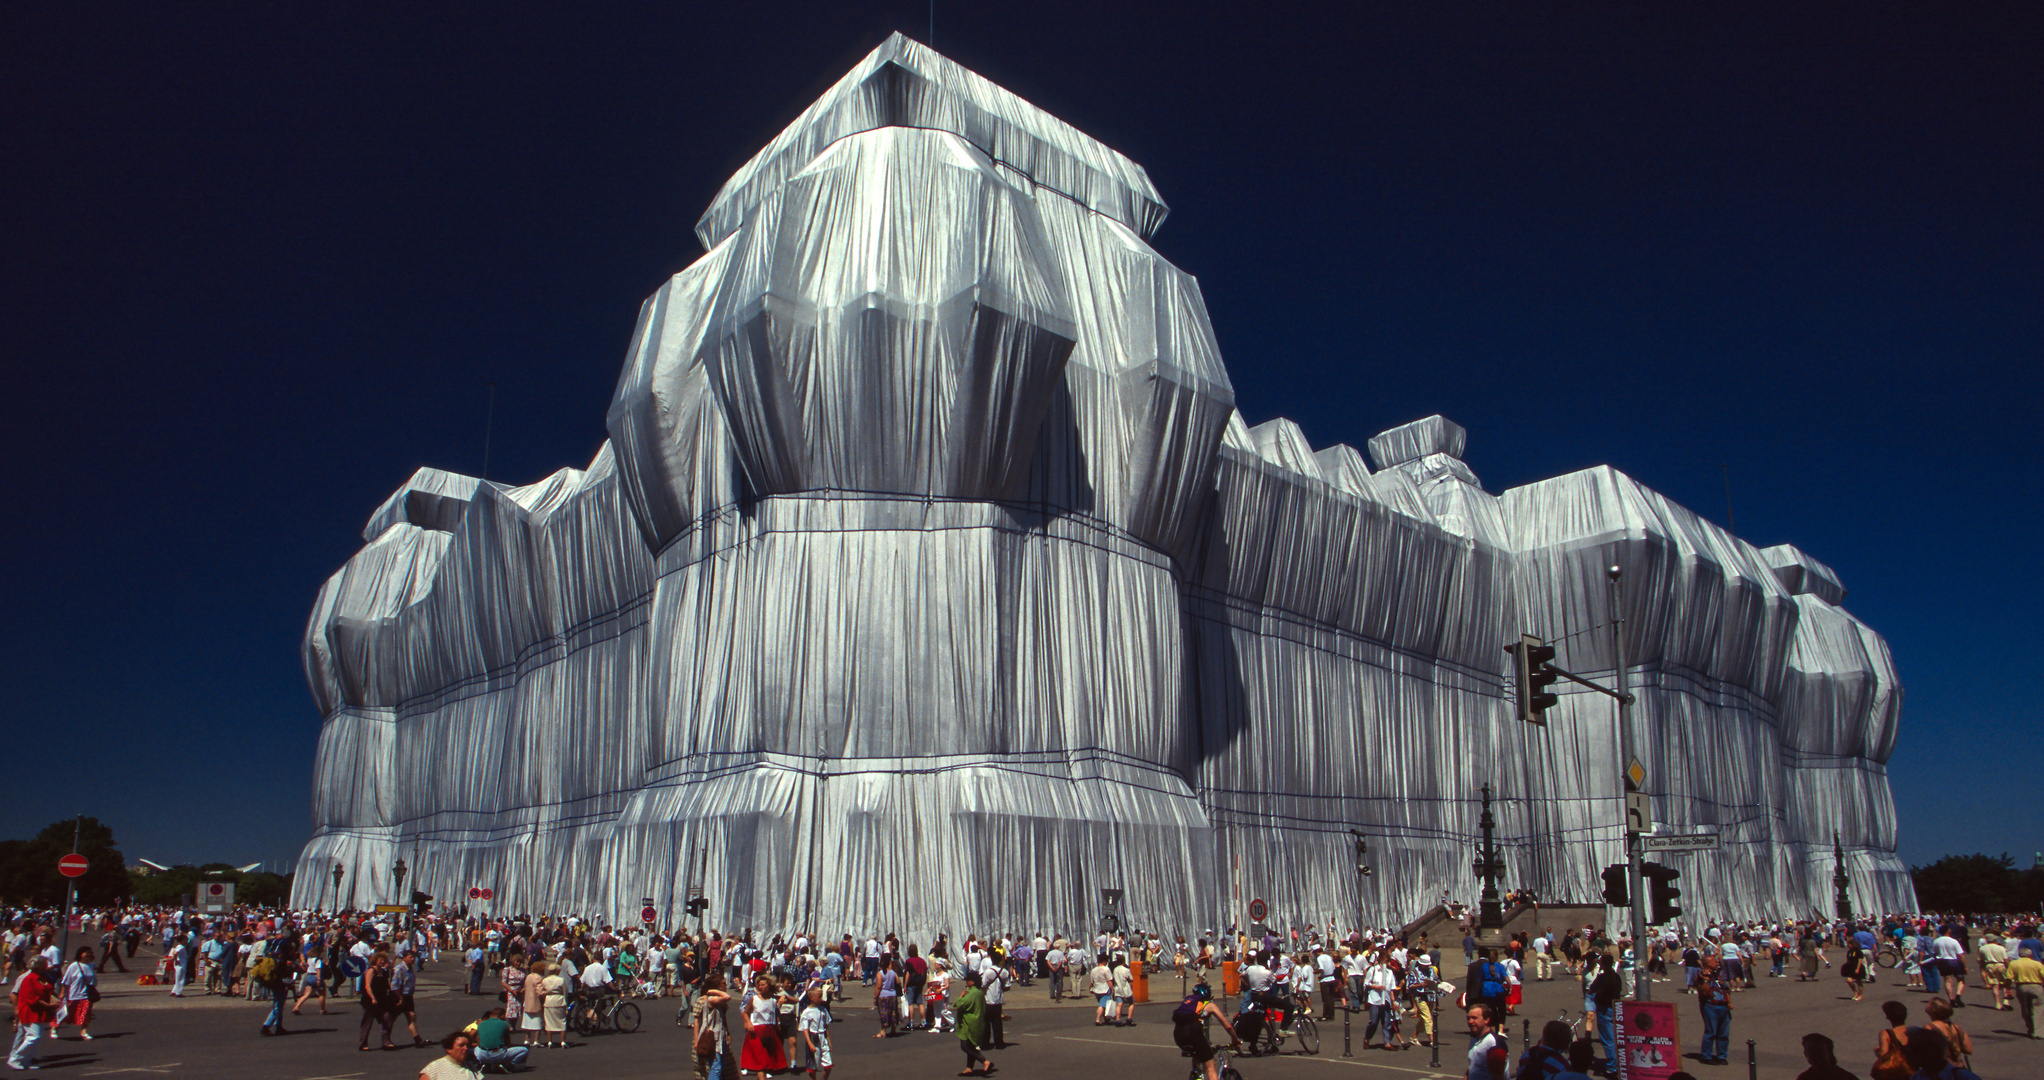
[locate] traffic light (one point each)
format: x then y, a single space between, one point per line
697 905
422 903
1615 892
1661 892
1531 676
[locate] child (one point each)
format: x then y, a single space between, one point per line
815 1024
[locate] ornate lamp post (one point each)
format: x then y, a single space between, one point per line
1839 879
337 885
1362 874
397 872
1490 924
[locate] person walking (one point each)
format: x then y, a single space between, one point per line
972 1027
312 982
1124 993
762 1053
1714 999
81 988
35 1011
708 1030
993 988
2026 978
1855 971
814 1024
377 1000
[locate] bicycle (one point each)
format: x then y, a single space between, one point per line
608 1012
1221 1065
1271 1032
1888 956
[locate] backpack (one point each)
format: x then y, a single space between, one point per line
1493 980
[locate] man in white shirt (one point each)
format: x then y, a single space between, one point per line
1951 964
596 976
1380 985
1101 983
1543 964
1330 981
870 965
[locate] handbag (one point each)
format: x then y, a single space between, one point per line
1891 1065
92 992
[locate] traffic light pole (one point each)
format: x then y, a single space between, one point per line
1642 981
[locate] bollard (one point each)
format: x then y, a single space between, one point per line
1346 1012
1434 1002
1525 1033
1752 1062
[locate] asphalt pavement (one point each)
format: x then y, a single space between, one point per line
142 1032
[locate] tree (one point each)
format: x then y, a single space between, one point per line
28 868
1977 883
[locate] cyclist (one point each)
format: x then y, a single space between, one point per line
1189 1029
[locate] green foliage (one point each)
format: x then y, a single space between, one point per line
28 868
1977 883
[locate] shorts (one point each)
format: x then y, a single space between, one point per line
1107 1001
1955 968
1192 1038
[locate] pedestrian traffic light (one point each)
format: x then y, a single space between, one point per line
1661 892
1532 674
422 903
1615 892
697 905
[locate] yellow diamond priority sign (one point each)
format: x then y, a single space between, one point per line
1637 773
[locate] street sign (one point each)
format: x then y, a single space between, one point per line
489 894
646 901
1636 772
391 909
475 893
72 865
649 915
1639 811
1692 842
1258 910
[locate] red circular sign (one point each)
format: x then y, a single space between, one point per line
1258 911
215 889
72 865
475 893
649 915
489 894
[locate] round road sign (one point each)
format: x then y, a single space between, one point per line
1258 910
475 893
216 889
72 865
489 894
649 915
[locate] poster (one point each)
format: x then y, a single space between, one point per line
1649 1040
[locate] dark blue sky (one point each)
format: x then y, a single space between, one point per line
262 261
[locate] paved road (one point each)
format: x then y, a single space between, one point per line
145 1033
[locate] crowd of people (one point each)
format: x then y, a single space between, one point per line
766 1007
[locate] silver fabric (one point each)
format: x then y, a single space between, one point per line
930 581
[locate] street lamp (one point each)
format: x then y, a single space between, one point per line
398 872
1839 879
1489 865
1362 872
337 884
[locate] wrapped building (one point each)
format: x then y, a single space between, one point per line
929 580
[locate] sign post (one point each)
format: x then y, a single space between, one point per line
1649 1040
72 866
1691 842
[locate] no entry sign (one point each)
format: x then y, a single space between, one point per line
72 865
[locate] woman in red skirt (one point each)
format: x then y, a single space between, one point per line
763 1053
